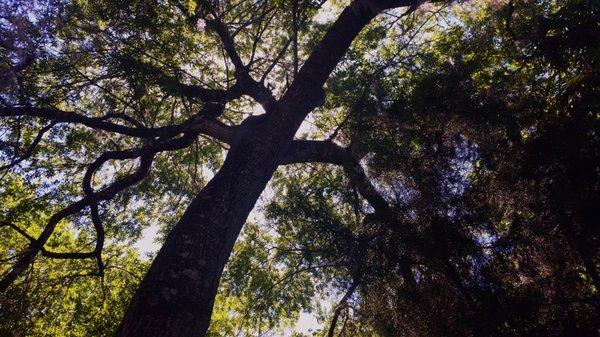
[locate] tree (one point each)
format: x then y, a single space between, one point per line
177 294
486 151
410 205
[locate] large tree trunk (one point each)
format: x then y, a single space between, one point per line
179 289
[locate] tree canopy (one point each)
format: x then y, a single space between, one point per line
392 167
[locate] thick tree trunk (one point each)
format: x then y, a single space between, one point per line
179 289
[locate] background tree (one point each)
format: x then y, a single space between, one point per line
485 147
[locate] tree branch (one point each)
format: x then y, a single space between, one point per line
107 193
146 155
305 92
307 151
304 151
198 123
248 85
341 305
44 251
30 149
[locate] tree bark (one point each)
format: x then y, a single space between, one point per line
176 296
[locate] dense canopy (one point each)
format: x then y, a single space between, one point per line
312 168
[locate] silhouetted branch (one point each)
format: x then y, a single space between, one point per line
304 151
146 155
198 123
248 85
30 149
341 305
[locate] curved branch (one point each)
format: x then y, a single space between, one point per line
307 151
248 85
199 123
95 215
304 151
341 305
30 149
146 155
305 92
107 193
44 251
